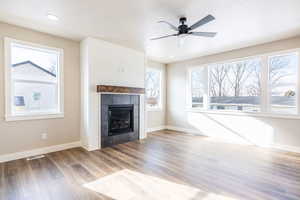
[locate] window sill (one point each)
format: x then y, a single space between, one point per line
250 114
34 117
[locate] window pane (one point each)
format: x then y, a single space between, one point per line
198 82
43 58
34 80
283 83
153 85
235 86
35 97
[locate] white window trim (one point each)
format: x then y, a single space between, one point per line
8 86
265 105
158 108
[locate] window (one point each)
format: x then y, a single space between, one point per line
198 87
153 88
33 81
235 86
263 84
283 82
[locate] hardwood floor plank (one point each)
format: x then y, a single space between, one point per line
64 163
11 182
83 157
2 186
215 168
28 185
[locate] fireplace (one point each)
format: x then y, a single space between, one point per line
120 119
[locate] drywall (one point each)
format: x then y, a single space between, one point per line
108 64
263 131
157 118
21 136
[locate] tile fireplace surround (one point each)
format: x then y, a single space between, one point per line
121 96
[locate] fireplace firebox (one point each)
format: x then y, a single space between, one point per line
120 119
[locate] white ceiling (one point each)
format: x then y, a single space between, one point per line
132 23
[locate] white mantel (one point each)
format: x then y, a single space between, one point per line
104 63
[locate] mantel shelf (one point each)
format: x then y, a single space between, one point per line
119 89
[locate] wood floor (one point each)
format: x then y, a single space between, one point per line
225 170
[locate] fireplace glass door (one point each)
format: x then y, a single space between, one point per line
120 119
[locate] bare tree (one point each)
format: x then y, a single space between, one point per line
254 87
244 78
276 73
239 72
217 78
152 87
253 90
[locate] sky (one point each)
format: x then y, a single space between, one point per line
287 82
44 59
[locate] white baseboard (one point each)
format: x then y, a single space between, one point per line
89 148
184 130
39 151
159 128
286 148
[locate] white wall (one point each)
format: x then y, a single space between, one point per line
107 64
157 118
112 64
21 136
263 131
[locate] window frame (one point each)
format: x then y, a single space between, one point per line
160 106
9 116
265 103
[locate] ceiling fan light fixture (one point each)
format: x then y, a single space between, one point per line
52 17
181 41
183 35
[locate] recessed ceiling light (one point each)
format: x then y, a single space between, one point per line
52 17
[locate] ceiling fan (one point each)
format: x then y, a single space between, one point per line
184 30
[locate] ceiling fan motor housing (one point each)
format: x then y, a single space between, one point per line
183 28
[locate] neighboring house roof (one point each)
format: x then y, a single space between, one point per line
35 65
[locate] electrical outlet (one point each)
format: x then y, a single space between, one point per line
122 69
44 136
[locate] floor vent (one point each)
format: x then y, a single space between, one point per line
35 157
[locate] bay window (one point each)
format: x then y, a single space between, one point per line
261 84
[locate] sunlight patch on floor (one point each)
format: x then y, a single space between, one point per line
131 185
234 129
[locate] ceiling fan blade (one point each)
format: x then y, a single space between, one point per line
169 24
163 37
203 21
204 34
